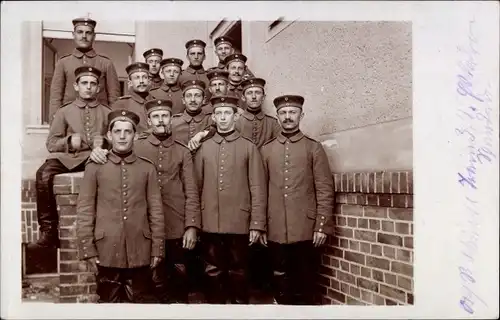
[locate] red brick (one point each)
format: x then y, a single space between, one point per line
344 287
410 182
401 214
365 235
378 275
376 250
402 228
92 288
399 200
390 302
391 279
409 298
67 221
389 252
323 280
70 267
377 262
378 182
350 181
356 270
403 182
341 221
354 257
334 241
375 212
374 224
361 199
354 245
388 226
405 283
409 201
362 223
352 198
66 199
408 242
68 278
389 239
67 210
62 189
395 182
365 247
344 266
372 199
352 210
335 295
357 182
367 296
335 284
355 292
336 179
28 217
378 300
351 222
67 299
67 233
61 179
340 198
403 255
68 255
386 182
346 277
335 262
394 293
326 300
344 232
325 260
352 301
367 284
411 228
385 200
68 244
326 271
371 182
343 186
365 272
344 243
402 268
72 290
90 278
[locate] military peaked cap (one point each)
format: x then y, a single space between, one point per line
153 52
136 67
123 115
158 104
195 42
172 61
190 84
288 101
235 57
217 75
87 71
253 82
84 22
223 39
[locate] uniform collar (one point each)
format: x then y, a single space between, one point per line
155 141
82 104
196 118
138 98
281 138
233 136
116 159
234 87
168 88
194 71
250 116
221 65
77 53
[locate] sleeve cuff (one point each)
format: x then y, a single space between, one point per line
158 250
87 250
256 225
323 224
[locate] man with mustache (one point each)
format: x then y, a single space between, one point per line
61 88
193 119
120 223
181 204
300 204
223 48
77 132
233 190
236 66
153 58
170 70
196 56
217 86
138 82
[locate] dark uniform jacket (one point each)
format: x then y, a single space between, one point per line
233 187
135 103
174 165
87 119
119 213
193 74
258 128
172 93
184 126
300 199
61 88
156 82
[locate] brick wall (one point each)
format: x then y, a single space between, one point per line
369 261
29 222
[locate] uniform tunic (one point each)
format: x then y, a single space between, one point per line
156 82
233 185
61 88
300 199
172 93
135 103
184 126
174 165
87 119
193 74
119 213
258 128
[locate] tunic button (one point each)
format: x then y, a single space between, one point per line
159 173
125 218
220 189
160 159
286 195
124 177
286 179
83 241
220 181
125 201
123 163
321 223
286 170
159 180
286 187
159 166
192 220
85 255
87 123
125 209
322 217
320 230
222 168
124 185
221 174
124 193
222 160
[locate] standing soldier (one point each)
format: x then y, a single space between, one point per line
196 56
120 222
61 88
217 86
300 204
187 124
170 70
138 81
224 46
78 129
233 203
236 66
181 203
153 58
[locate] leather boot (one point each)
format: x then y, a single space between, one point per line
238 286
48 238
281 288
214 285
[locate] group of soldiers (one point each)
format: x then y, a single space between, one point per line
188 185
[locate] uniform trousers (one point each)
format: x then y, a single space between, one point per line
46 206
294 272
225 258
178 274
124 285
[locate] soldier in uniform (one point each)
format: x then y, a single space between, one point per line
300 204
120 221
193 119
196 56
233 190
153 57
217 86
170 70
236 66
181 204
138 81
223 48
78 129
61 88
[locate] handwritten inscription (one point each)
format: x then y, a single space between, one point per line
477 133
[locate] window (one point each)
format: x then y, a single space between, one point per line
49 55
